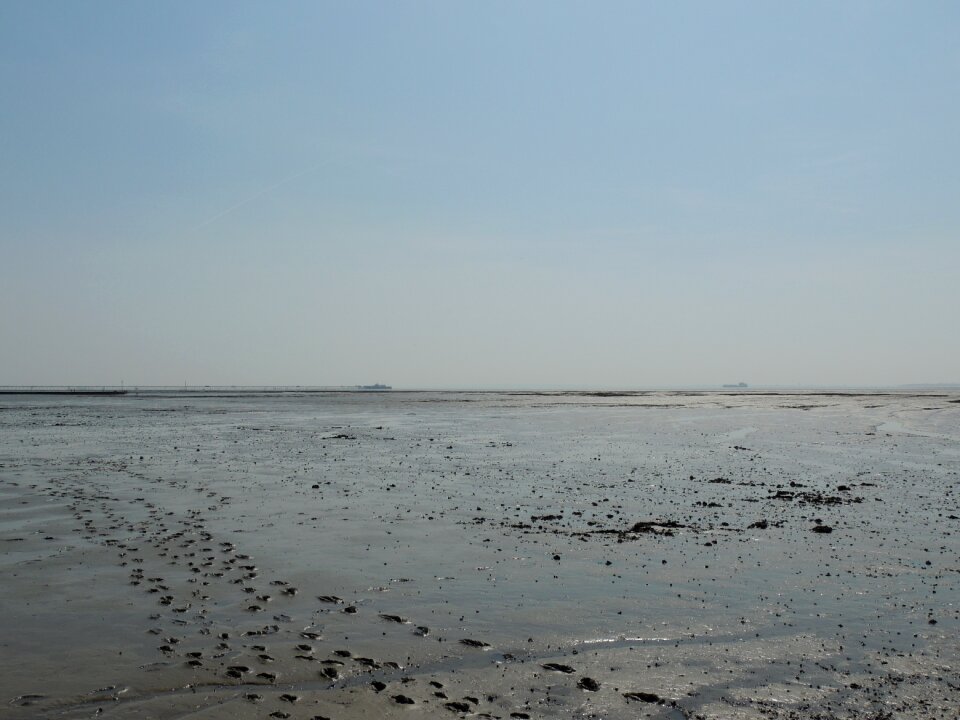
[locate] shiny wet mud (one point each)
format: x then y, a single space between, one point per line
663 555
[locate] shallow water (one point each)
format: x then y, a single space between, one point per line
138 529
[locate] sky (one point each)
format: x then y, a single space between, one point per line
479 194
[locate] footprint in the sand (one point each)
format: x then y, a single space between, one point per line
588 684
394 619
646 697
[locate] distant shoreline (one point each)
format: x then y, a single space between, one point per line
63 392
249 390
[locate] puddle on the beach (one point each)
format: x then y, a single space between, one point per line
564 555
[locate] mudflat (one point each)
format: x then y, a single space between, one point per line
506 555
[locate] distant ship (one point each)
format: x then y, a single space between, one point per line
737 385
376 386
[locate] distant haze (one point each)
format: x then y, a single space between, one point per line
440 194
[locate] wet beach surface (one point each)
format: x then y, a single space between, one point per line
340 555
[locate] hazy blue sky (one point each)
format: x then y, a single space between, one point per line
479 194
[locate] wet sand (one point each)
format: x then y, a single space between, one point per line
663 555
